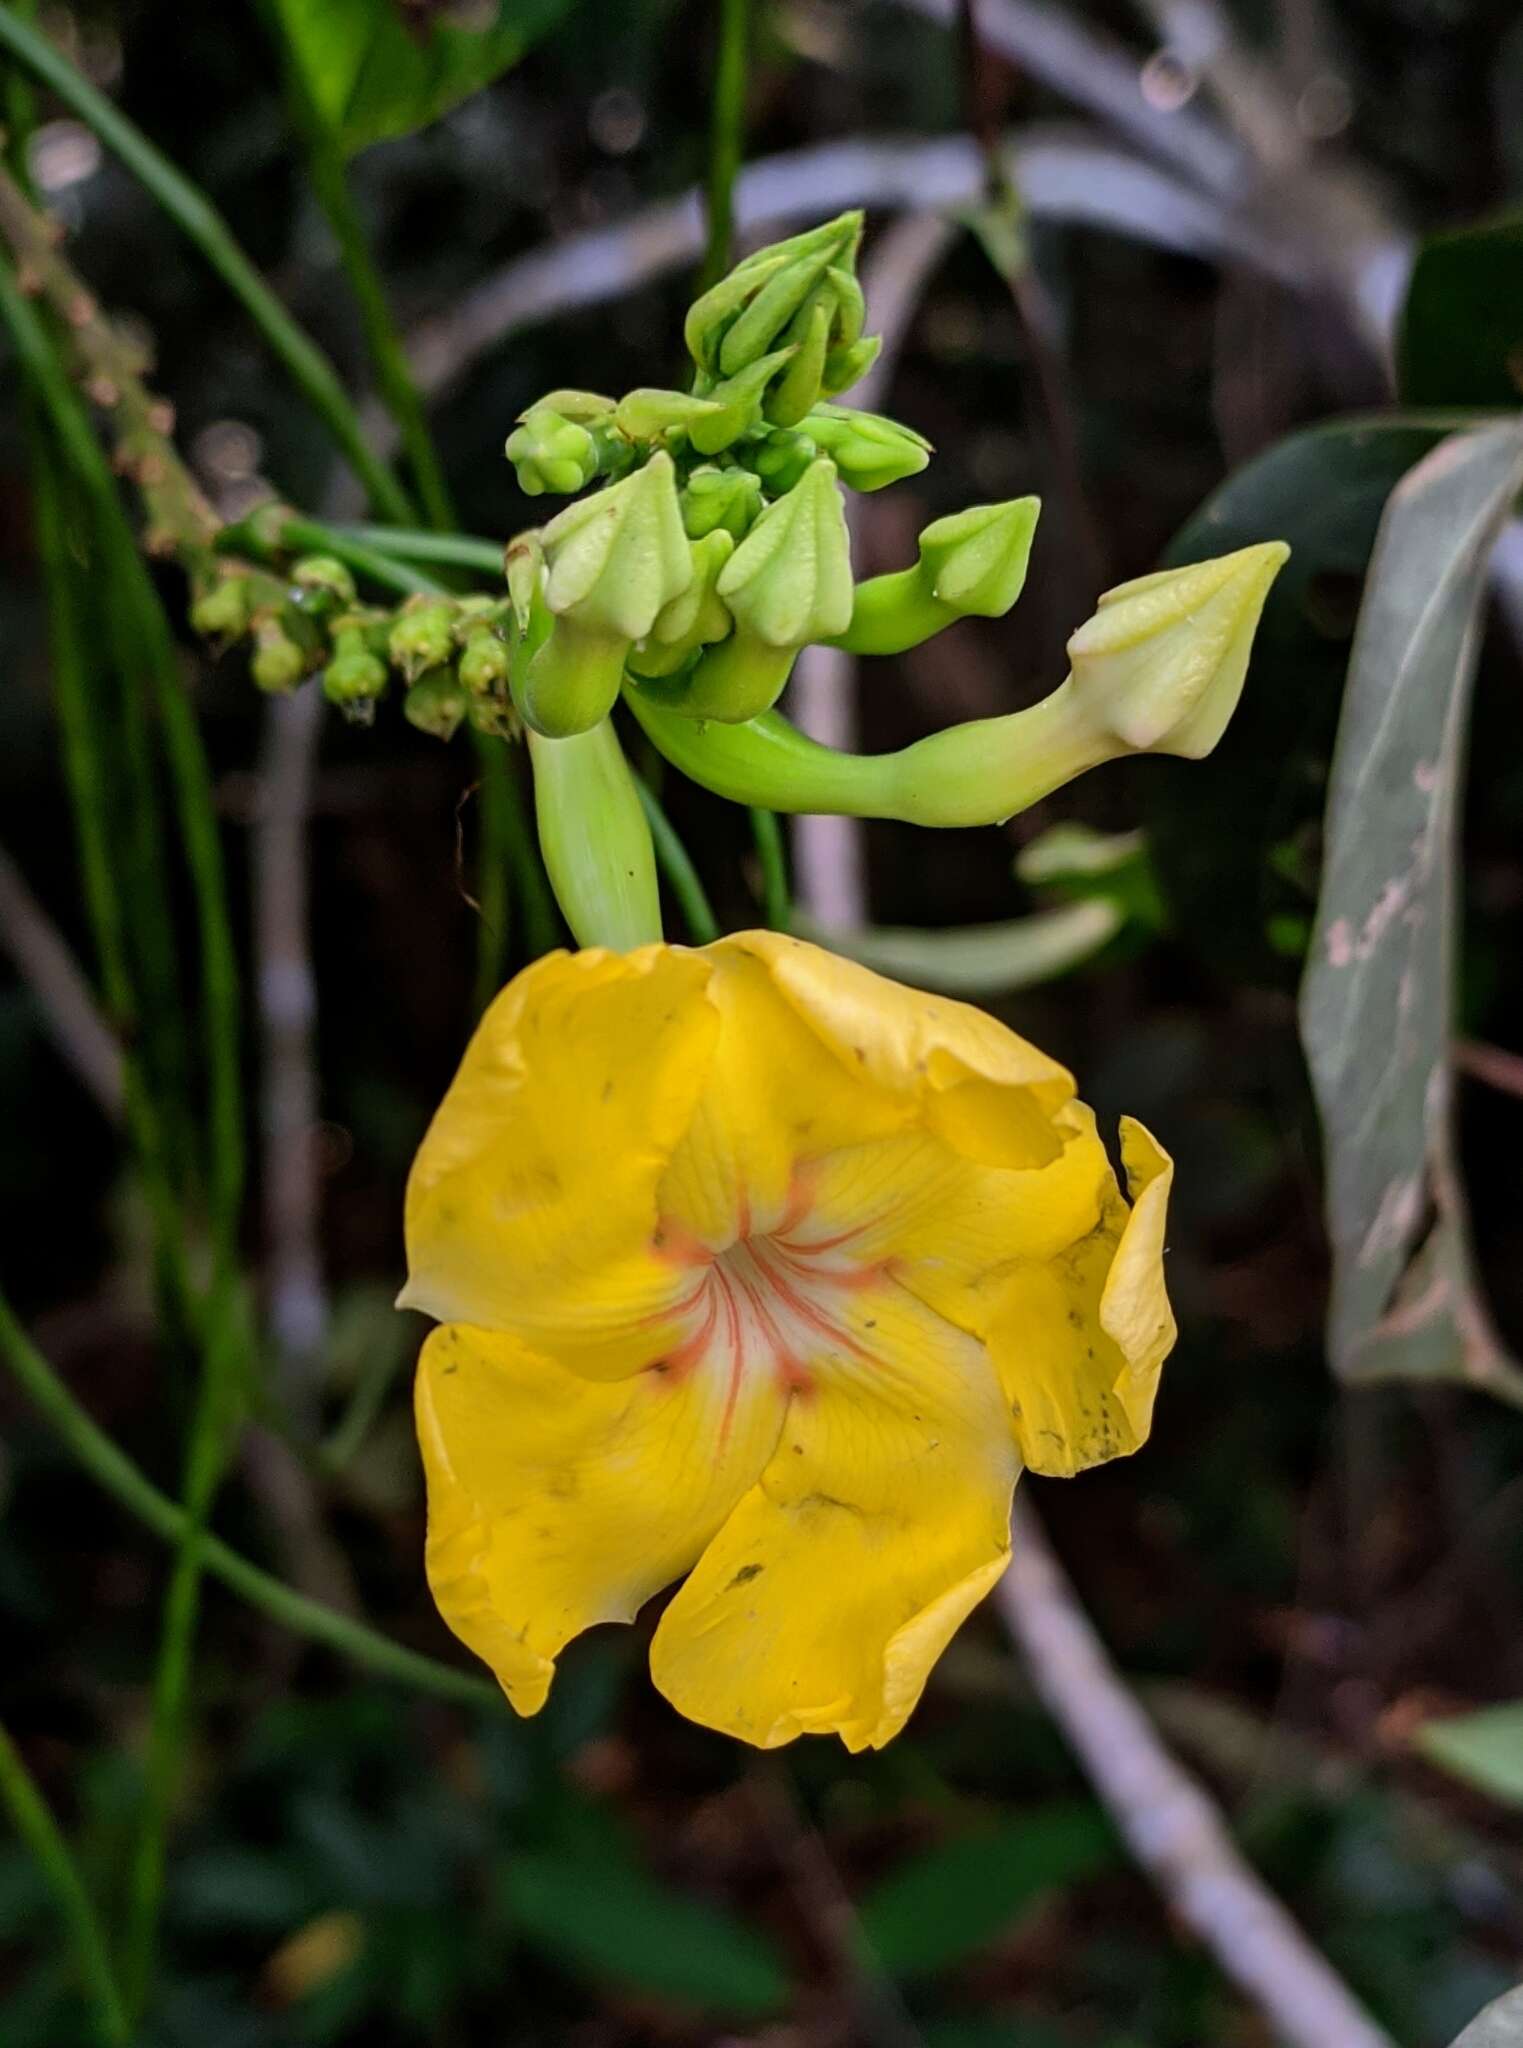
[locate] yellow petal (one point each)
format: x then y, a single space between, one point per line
773 1095
1079 1340
532 1202
880 1522
556 1501
985 1092
949 1225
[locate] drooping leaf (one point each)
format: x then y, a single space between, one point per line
1461 336
1377 1002
981 959
941 1906
1234 848
1499 2026
1485 1749
611 1920
376 68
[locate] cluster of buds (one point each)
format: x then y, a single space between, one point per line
449 655
704 546
716 545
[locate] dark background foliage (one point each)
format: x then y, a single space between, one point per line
1294 1575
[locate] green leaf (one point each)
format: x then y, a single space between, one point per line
943 1905
980 959
373 72
1223 841
1499 2026
1377 1001
1461 335
612 1920
1484 1749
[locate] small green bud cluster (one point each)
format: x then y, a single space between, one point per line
716 544
450 654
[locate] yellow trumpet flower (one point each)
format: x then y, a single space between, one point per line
755 1267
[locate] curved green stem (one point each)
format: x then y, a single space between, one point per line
255 540
407 544
193 213
975 774
676 863
117 1474
41 1833
595 839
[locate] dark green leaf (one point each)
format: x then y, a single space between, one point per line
613 1920
1461 338
1234 847
1377 1003
1485 1749
373 73
940 1906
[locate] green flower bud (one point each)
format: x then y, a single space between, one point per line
551 453
868 450
696 619
972 564
485 663
789 581
738 403
423 636
222 611
1160 666
616 558
436 704
355 676
845 366
728 498
799 385
650 414
493 716
850 305
278 663
573 680
587 408
781 460
746 314
523 565
324 577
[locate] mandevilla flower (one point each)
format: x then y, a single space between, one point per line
757 1268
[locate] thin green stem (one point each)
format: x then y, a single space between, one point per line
767 836
496 799
676 864
85 765
20 110
37 1828
144 643
541 921
254 538
383 341
193 213
117 1474
406 544
726 135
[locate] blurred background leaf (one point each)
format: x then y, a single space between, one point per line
1461 336
380 68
